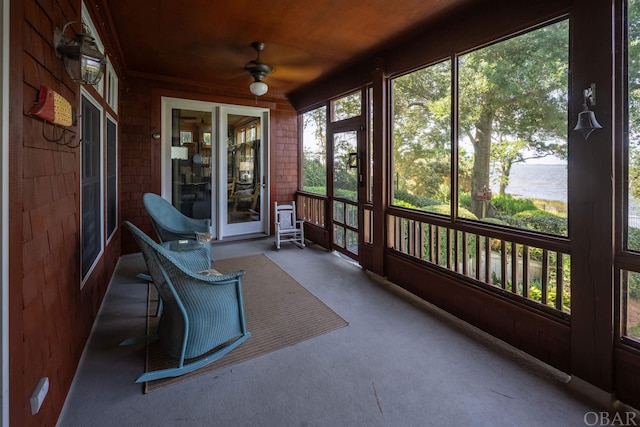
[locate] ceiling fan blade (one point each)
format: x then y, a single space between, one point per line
299 73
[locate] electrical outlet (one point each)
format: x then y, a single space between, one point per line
38 395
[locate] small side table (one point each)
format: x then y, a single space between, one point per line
182 245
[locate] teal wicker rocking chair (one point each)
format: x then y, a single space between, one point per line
170 224
203 314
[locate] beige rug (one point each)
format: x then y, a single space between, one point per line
279 313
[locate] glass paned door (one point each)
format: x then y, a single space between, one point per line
244 132
191 162
243 169
214 164
346 175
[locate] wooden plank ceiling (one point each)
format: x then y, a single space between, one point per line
209 41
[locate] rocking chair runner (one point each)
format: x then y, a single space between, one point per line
288 227
202 315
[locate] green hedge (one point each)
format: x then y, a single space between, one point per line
508 205
538 220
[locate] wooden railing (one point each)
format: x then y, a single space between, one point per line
534 273
312 208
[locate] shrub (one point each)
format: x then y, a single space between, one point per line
633 239
464 200
445 209
633 279
316 189
496 221
414 200
538 220
506 204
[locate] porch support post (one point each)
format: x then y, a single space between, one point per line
591 196
381 168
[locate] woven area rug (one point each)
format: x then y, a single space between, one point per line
279 313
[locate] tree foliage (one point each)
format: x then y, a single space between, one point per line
633 71
422 131
512 106
314 148
513 102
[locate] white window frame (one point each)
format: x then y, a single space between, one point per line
109 118
84 93
112 83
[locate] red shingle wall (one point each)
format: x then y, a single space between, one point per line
284 157
135 158
50 315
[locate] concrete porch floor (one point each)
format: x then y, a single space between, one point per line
395 364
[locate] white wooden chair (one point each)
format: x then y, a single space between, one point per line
288 227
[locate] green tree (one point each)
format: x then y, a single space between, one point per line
314 147
633 70
422 132
514 90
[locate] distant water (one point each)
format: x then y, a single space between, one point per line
547 182
536 181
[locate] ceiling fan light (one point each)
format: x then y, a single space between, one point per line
258 88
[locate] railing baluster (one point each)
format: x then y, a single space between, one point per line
421 241
449 248
394 232
525 271
416 239
503 264
437 246
559 284
456 249
465 254
409 237
545 276
429 242
478 257
487 259
514 267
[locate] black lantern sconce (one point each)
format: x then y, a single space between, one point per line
587 122
82 59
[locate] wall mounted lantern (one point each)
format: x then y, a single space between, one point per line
82 59
587 122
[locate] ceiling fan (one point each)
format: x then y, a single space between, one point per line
278 65
258 70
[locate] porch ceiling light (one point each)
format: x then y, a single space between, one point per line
82 59
587 122
258 88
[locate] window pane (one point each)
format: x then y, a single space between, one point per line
91 195
345 165
314 147
346 107
633 71
512 167
631 286
422 139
